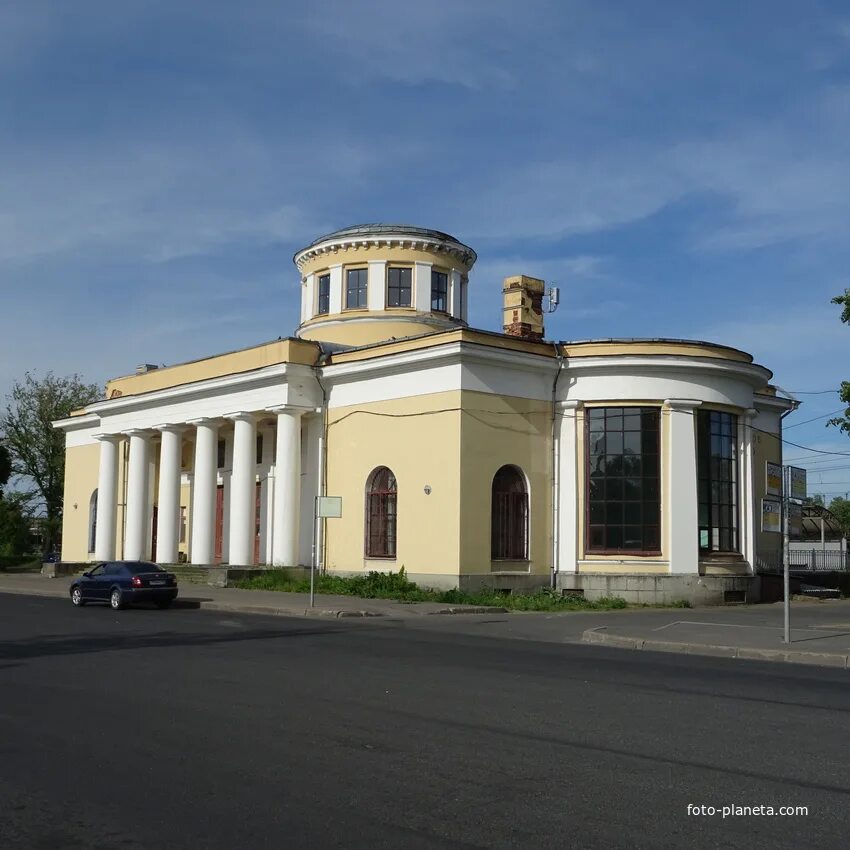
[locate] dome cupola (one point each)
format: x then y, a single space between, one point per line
374 282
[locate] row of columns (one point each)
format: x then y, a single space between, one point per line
286 496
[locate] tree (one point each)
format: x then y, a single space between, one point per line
841 508
5 467
843 422
36 448
15 535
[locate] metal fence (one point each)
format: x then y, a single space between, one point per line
806 560
819 559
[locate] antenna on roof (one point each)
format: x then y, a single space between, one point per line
553 294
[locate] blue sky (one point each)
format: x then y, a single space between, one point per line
678 168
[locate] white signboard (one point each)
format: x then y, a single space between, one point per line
771 516
798 483
330 506
773 479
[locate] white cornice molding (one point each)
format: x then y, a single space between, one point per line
388 240
772 401
76 423
757 376
265 376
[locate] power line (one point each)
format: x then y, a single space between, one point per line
812 392
815 418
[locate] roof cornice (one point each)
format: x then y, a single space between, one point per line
458 250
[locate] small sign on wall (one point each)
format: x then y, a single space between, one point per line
329 506
771 516
773 485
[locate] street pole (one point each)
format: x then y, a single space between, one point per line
315 558
786 551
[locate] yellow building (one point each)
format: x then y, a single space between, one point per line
629 467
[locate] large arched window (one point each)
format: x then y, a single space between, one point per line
381 514
509 516
93 521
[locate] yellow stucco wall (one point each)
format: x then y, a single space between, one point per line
496 431
682 349
362 327
418 438
81 473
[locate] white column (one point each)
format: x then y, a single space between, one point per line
454 293
568 484
204 491
107 497
168 511
422 287
376 294
135 543
308 298
243 493
681 515
749 503
287 488
335 299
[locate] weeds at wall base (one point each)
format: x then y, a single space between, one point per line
378 585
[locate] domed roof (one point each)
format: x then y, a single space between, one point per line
381 229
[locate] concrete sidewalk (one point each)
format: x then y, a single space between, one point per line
820 633
268 602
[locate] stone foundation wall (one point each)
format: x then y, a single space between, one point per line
664 589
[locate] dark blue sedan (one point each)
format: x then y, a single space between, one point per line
121 583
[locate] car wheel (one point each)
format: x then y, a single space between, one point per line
77 597
163 603
115 600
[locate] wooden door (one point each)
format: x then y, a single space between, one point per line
219 523
153 533
257 524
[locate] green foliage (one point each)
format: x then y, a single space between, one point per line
36 448
5 466
843 422
844 301
377 585
841 508
15 536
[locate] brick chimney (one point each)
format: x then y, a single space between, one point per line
523 306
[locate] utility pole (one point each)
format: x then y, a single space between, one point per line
786 550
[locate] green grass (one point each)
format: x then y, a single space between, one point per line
19 564
376 585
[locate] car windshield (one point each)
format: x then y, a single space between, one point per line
145 567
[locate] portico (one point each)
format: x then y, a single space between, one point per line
263 500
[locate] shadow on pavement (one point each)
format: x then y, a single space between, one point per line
57 645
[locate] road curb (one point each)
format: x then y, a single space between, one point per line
279 612
789 656
482 609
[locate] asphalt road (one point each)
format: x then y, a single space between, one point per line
187 728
